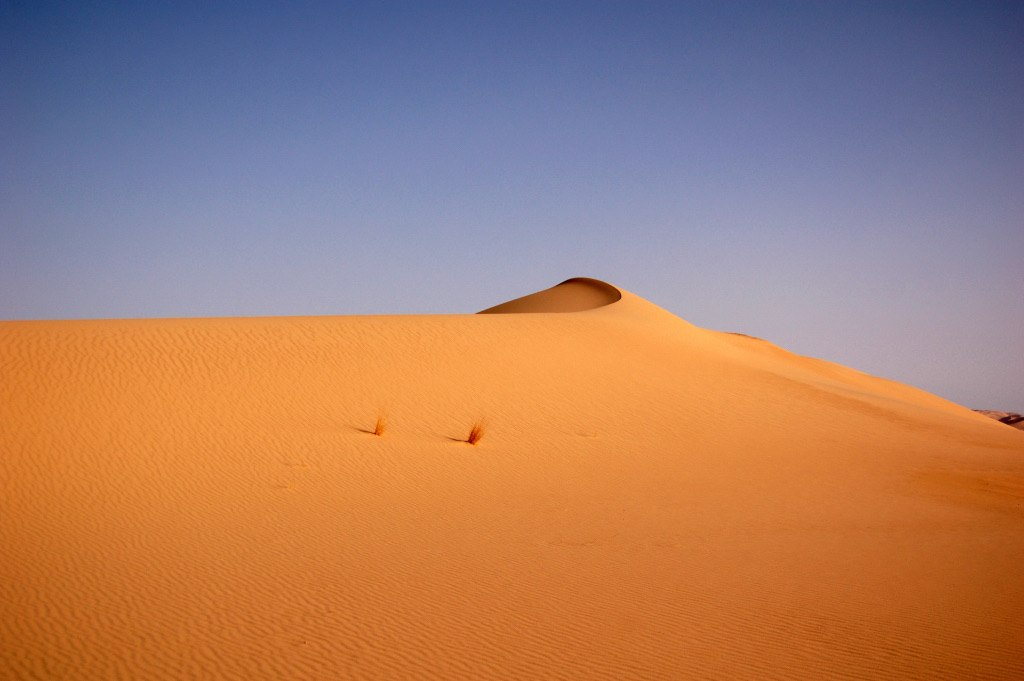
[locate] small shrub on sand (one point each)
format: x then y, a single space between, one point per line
476 432
382 423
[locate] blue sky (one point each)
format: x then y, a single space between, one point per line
843 179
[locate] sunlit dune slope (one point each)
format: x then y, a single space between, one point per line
204 498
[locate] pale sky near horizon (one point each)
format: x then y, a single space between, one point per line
842 179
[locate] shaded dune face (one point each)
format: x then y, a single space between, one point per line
572 295
211 499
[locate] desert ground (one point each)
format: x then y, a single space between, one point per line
208 499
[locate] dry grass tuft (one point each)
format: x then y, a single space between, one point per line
382 423
476 432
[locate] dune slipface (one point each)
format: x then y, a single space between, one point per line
204 498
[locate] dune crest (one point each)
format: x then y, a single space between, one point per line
572 295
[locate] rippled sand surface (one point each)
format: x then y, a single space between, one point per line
205 498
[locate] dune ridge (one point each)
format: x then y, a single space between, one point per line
203 498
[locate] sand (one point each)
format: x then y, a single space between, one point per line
205 499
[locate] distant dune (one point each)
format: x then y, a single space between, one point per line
1009 418
207 499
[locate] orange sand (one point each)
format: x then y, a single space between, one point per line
204 499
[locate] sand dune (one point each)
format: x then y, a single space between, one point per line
203 498
1010 418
